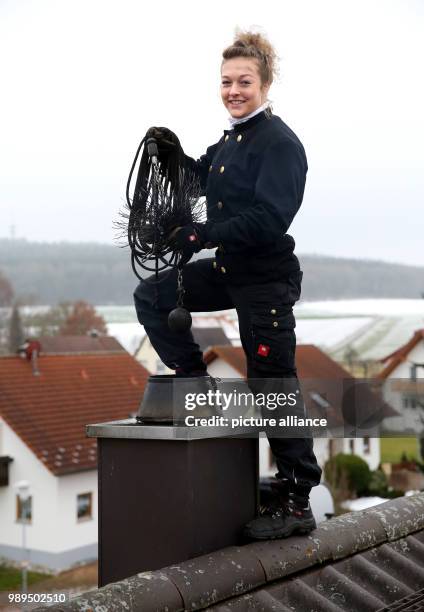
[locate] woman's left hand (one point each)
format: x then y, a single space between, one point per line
186 238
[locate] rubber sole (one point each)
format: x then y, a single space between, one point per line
302 529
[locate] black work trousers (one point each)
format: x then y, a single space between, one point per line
266 322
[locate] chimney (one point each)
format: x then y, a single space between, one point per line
30 350
177 508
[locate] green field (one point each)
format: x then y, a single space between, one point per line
393 448
11 578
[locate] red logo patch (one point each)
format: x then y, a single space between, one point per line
192 237
263 350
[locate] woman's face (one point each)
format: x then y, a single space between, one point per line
241 88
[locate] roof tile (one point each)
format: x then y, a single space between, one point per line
49 412
371 577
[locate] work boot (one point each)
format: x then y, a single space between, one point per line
181 373
293 515
272 493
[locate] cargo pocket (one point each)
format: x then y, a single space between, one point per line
274 340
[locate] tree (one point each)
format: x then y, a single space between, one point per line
350 470
6 291
81 320
49 322
16 332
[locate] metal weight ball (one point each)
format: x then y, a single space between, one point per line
179 320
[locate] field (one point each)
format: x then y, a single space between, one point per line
72 582
393 448
11 578
373 328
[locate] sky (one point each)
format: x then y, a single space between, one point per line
82 81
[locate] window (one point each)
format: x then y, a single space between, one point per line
4 470
24 509
410 401
367 446
84 506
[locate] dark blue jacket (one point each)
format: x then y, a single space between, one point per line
254 179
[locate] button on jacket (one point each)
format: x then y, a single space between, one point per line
253 179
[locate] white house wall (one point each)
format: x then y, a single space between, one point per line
148 357
411 420
54 539
43 488
416 355
221 369
372 458
73 534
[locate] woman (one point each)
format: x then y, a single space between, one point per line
253 179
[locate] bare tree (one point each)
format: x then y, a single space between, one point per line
6 291
16 332
81 320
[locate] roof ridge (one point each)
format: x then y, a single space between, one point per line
69 353
236 571
77 353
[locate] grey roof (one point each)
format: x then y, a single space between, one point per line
209 336
371 560
79 344
204 336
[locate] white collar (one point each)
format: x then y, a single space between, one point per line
233 121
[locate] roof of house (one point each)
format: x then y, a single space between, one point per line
49 412
233 355
209 336
79 344
311 362
398 356
369 560
205 337
325 385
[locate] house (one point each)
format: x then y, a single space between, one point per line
204 336
365 560
321 375
79 344
45 404
403 387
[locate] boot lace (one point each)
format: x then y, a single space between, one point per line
285 508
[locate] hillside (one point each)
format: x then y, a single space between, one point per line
47 273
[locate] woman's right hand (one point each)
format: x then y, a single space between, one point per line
166 139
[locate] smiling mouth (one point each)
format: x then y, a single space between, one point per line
236 102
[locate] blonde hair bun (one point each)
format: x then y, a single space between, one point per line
254 45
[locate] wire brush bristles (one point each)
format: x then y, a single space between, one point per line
166 195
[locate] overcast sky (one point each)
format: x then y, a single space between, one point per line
82 80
